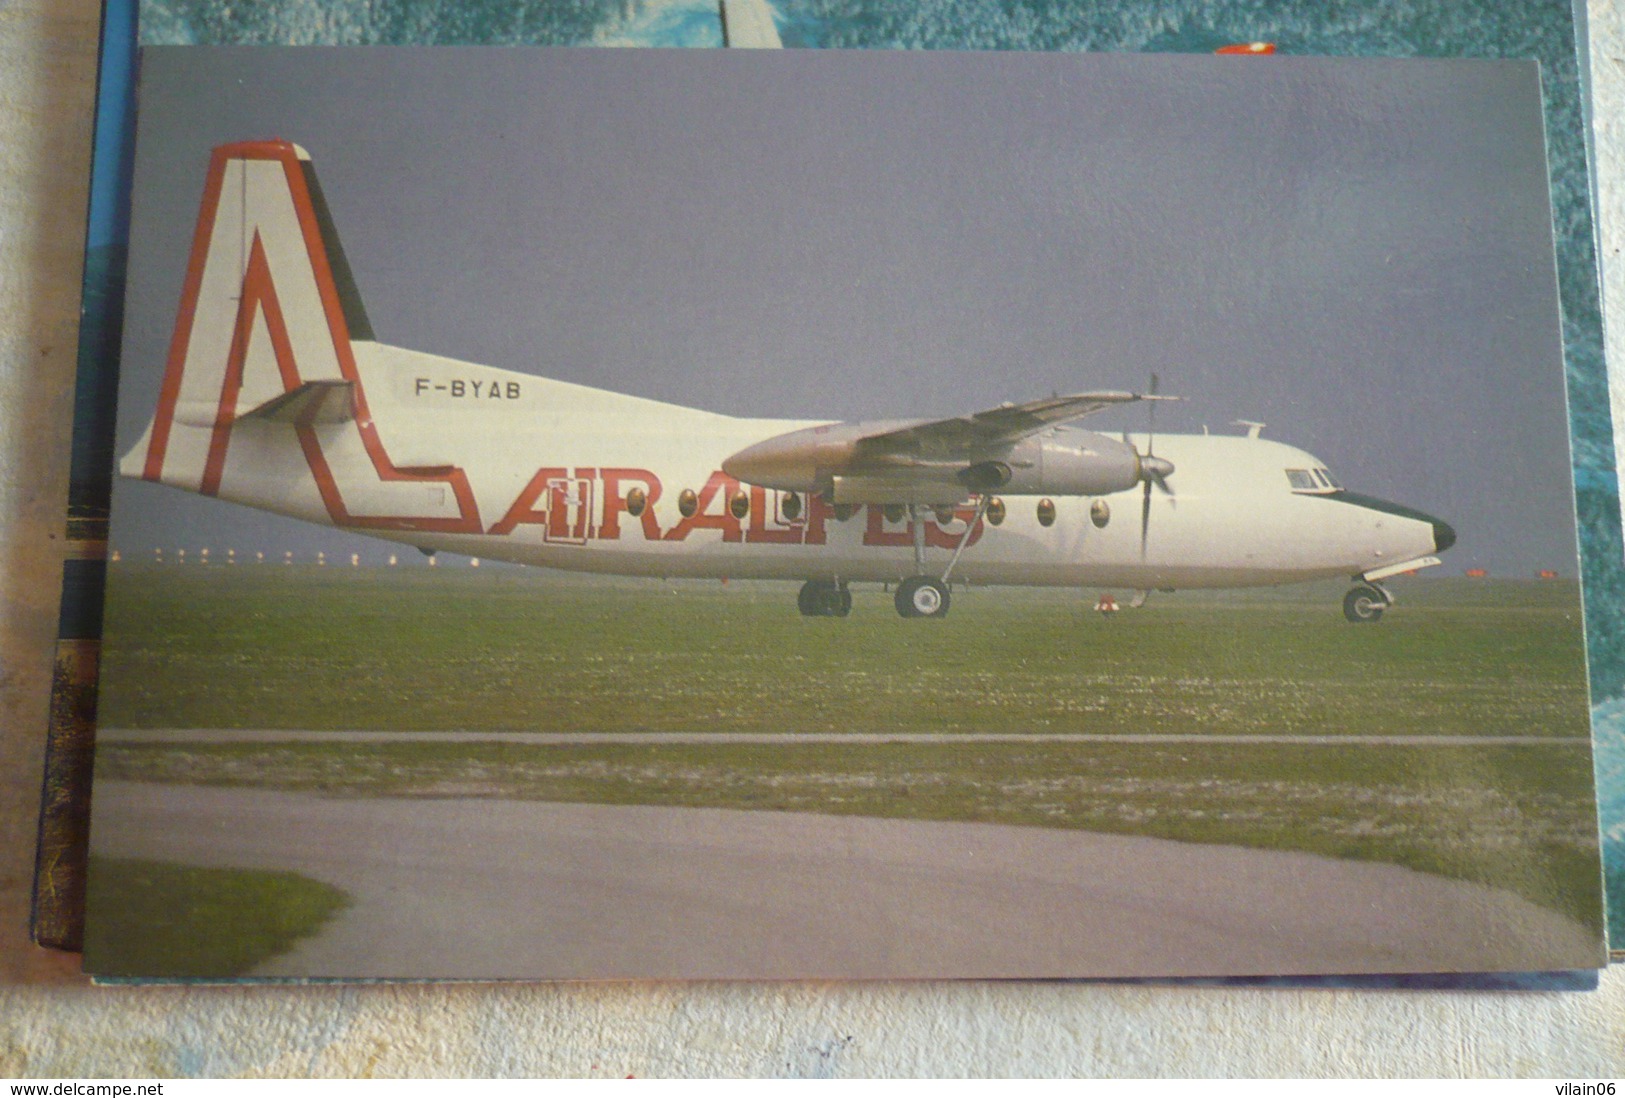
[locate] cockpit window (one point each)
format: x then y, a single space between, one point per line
1312 480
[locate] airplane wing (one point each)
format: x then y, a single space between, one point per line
979 431
936 461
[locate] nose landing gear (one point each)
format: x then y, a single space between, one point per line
1366 602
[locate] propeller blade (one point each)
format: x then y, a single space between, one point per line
1153 470
1151 419
1145 518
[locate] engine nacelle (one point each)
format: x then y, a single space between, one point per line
1060 463
830 459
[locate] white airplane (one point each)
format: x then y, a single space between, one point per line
276 395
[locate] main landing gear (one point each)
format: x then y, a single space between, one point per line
1366 602
918 596
824 599
922 597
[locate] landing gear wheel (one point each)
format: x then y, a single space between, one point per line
922 597
824 599
1364 604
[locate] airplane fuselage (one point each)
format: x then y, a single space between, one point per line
277 396
550 469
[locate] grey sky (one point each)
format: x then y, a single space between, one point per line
1356 252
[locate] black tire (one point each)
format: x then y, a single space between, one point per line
810 600
1364 604
921 597
824 599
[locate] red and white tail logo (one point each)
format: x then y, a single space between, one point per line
261 399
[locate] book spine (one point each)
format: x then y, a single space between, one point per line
58 913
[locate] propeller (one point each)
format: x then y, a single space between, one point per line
1153 470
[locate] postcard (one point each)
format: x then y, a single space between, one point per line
840 515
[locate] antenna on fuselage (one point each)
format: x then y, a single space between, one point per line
1254 428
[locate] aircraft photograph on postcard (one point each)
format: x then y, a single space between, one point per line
662 514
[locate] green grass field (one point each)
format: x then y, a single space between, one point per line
306 648
1512 816
413 649
158 919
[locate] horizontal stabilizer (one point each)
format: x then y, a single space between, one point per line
325 401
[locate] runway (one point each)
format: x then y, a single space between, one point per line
474 888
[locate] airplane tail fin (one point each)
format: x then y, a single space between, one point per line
261 400
268 307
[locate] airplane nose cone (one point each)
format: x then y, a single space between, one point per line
1444 535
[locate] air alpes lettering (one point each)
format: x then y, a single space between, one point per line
576 505
467 389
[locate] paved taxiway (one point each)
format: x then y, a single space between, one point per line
502 888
